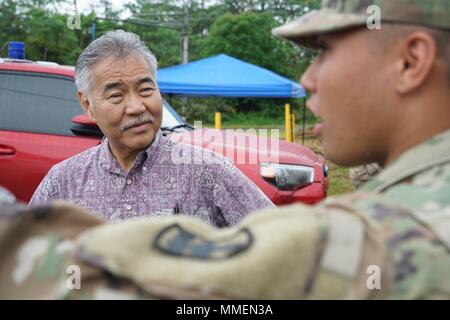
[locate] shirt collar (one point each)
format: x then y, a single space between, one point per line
108 162
430 153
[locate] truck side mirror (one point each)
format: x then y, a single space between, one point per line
83 126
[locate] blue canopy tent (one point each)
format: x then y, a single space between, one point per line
225 76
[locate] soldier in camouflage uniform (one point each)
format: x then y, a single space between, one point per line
389 240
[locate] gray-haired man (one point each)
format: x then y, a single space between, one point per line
132 173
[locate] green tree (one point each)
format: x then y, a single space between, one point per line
280 10
248 37
164 42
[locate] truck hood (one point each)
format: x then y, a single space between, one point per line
240 146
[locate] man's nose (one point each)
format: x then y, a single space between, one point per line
135 104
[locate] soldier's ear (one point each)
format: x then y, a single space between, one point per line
416 56
86 105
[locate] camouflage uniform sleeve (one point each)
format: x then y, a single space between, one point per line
356 247
47 190
36 257
236 195
298 252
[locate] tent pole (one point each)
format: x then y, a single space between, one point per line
304 121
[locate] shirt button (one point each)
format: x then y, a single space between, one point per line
144 169
129 207
129 181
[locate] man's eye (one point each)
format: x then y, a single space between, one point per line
115 97
147 90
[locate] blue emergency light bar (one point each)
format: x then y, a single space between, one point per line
16 50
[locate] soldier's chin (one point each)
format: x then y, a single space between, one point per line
338 156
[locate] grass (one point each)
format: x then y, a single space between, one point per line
339 181
338 176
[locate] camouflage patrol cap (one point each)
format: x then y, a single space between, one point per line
338 15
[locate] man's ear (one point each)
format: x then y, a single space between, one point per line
416 57
86 105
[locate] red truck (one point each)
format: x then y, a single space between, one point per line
41 124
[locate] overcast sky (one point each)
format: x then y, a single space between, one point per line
86 6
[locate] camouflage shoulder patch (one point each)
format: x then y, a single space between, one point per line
177 241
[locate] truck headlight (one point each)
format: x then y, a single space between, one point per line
286 176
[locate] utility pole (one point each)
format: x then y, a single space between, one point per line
185 33
183 27
185 47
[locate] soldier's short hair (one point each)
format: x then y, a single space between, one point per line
442 38
395 31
